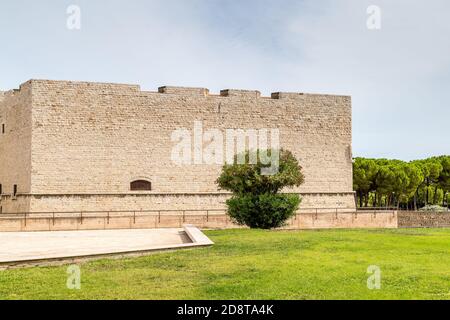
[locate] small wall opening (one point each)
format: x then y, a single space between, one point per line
141 185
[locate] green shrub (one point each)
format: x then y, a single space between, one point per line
256 201
248 178
263 211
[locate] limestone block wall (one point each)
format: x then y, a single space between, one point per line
199 201
15 145
11 204
87 141
101 136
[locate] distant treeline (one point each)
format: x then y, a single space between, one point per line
395 183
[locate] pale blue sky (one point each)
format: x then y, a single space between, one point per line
399 76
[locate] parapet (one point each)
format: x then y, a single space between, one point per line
184 91
14 92
286 95
127 89
310 96
240 93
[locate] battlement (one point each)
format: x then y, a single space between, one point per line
286 95
131 89
184 90
11 92
240 93
17 93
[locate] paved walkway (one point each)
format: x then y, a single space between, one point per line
33 246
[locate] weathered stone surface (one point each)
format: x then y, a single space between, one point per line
78 145
415 219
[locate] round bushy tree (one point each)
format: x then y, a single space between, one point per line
263 211
255 184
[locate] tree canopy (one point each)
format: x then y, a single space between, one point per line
384 182
247 178
256 201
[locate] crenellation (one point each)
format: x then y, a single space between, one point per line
184 90
286 95
84 88
240 93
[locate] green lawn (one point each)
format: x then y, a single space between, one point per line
254 264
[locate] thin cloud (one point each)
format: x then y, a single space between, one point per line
398 76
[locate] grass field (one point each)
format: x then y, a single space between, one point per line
254 264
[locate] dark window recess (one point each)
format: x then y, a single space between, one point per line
1 189
15 190
141 185
3 128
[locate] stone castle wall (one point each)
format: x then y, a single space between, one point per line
90 140
15 145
